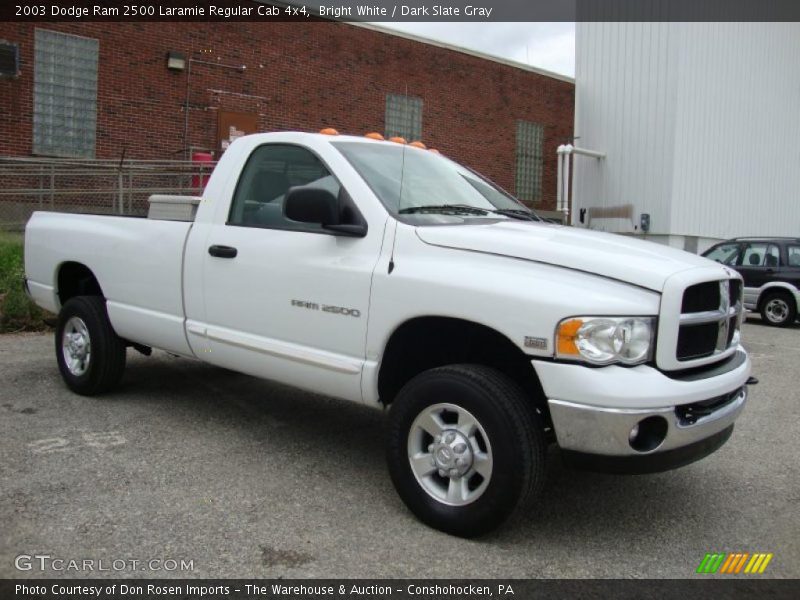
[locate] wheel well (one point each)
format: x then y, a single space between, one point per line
76 279
775 290
428 342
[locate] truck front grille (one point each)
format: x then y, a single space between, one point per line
710 318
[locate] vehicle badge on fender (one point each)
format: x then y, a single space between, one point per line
337 310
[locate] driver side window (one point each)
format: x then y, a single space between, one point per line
760 255
266 178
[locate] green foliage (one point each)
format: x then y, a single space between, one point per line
17 312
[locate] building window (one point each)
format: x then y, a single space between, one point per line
9 59
530 160
404 117
65 94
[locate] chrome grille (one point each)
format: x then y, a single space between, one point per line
710 318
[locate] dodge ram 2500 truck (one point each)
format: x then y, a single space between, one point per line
386 274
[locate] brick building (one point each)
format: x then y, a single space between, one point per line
103 89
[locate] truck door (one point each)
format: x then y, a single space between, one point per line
284 300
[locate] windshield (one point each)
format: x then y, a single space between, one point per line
423 186
724 253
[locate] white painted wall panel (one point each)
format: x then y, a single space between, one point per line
625 107
700 123
737 156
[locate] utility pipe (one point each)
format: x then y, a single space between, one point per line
564 152
567 160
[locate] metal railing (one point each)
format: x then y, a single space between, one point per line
91 186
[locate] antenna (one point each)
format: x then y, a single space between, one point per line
400 198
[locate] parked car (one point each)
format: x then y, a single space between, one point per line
770 268
389 275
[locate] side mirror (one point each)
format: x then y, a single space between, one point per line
320 207
311 205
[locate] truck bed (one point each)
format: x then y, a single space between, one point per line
138 261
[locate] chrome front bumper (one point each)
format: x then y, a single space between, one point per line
607 431
594 412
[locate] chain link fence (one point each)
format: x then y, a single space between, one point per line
91 186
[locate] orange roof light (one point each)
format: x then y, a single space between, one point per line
418 144
398 140
374 135
434 150
329 131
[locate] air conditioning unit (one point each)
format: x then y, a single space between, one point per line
9 59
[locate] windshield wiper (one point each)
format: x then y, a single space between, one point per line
522 214
462 208
518 213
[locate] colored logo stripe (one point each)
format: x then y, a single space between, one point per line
733 563
758 563
710 563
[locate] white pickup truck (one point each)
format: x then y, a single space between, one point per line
386 274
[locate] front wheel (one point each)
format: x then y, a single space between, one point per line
465 448
778 309
90 355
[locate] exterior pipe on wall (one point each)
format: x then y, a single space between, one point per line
585 152
565 151
567 159
560 176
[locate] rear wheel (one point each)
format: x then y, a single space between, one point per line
90 355
465 448
778 309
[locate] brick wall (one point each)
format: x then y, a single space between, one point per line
299 76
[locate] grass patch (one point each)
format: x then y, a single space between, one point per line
17 312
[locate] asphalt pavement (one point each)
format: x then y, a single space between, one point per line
238 477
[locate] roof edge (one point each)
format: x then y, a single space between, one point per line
423 40
462 50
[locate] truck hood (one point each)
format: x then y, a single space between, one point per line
640 263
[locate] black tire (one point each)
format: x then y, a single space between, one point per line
514 432
106 363
778 309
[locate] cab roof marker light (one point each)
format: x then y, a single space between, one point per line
374 135
398 140
329 131
418 144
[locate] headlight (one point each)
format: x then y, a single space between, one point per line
606 340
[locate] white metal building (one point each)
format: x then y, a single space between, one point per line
699 124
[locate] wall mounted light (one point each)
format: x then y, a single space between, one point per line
176 61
